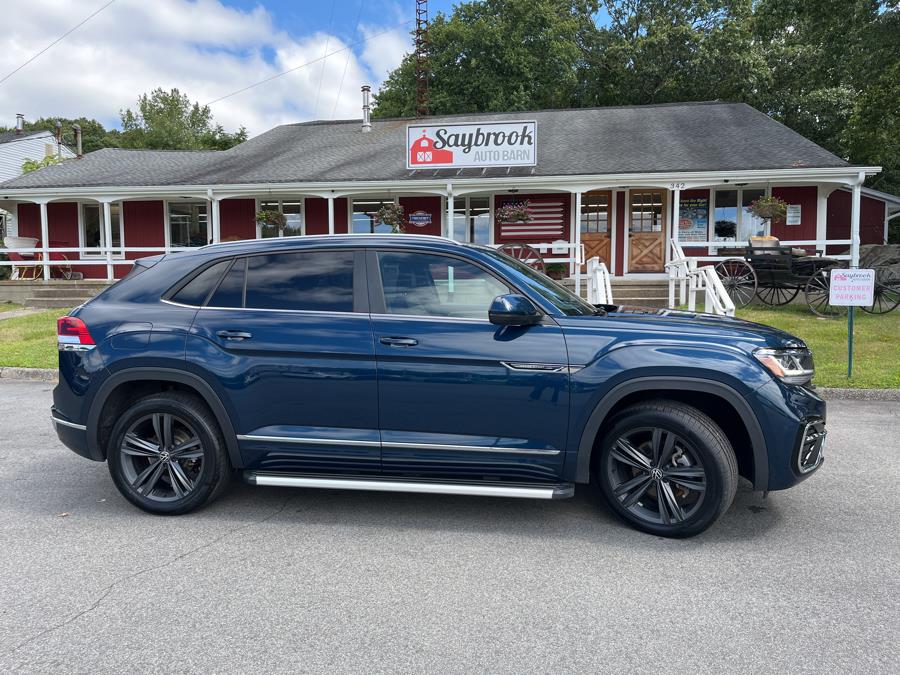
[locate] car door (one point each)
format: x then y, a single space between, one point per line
461 398
288 337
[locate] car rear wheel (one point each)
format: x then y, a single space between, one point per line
166 454
666 468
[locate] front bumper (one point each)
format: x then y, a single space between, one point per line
72 435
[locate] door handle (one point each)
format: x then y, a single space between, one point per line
399 342
234 335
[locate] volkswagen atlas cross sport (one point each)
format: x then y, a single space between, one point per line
419 364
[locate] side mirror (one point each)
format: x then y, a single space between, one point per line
513 310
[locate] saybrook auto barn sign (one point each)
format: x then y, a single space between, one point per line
451 146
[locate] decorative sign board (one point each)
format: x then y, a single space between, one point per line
693 219
851 288
792 217
420 218
450 146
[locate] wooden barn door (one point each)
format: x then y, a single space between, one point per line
647 231
595 226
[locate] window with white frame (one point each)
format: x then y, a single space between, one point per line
732 220
188 223
472 219
293 214
92 230
365 216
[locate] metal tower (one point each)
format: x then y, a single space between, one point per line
421 58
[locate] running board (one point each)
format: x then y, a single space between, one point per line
550 491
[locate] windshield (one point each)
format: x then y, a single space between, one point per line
557 295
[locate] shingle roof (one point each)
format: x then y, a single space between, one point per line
10 136
639 139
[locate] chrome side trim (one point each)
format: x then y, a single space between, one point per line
425 317
520 491
55 420
307 441
535 367
472 448
69 347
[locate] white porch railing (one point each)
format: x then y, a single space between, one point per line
692 279
561 252
817 244
77 256
599 290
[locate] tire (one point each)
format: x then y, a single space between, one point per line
168 480
687 461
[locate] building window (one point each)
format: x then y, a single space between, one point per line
188 224
293 213
472 219
92 231
365 216
731 223
646 212
594 213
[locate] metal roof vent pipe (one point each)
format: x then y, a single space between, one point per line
77 129
20 123
367 108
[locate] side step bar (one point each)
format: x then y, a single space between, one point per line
550 491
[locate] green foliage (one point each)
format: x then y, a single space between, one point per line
30 165
272 218
828 69
168 120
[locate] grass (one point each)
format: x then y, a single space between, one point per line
876 344
30 342
9 306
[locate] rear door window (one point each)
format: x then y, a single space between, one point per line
310 280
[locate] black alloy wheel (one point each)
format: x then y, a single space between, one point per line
166 454
667 469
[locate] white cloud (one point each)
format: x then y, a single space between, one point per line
204 48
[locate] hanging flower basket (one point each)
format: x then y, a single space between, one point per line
392 215
513 213
769 208
270 218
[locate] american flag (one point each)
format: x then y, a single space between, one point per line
548 221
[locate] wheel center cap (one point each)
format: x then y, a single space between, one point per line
656 474
164 456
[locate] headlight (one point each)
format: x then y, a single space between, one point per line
793 366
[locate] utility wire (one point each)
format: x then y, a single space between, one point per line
57 40
346 63
309 63
324 60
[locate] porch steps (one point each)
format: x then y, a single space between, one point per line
63 294
641 292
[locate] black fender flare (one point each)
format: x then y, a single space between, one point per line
620 391
195 382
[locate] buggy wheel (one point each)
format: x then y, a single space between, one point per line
817 291
887 292
777 295
524 253
739 280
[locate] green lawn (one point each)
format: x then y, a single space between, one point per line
9 306
876 353
30 341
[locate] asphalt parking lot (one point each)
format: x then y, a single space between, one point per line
271 579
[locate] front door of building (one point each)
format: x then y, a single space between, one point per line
595 228
647 231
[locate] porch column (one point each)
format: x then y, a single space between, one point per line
821 215
216 233
854 221
448 226
331 214
45 240
107 236
577 252
676 213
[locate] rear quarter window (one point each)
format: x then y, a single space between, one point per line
197 290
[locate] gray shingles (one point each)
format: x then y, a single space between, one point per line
640 139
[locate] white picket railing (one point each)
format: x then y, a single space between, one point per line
692 279
599 290
561 252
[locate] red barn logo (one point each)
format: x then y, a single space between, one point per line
422 152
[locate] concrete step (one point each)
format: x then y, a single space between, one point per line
63 292
54 303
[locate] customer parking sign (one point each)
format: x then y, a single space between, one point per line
851 288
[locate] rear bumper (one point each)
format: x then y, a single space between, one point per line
72 435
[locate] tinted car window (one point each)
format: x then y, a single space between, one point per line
197 289
230 292
315 280
423 284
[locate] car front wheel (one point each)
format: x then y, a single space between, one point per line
166 454
666 468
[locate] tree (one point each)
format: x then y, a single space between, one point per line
168 120
93 134
30 165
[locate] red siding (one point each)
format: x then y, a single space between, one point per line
29 219
871 220
237 219
620 233
430 205
540 201
697 194
317 215
806 197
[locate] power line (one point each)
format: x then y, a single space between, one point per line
346 63
309 63
57 40
324 61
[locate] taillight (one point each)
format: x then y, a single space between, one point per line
73 335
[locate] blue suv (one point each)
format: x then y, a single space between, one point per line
418 364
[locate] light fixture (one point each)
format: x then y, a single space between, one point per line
740 184
513 190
